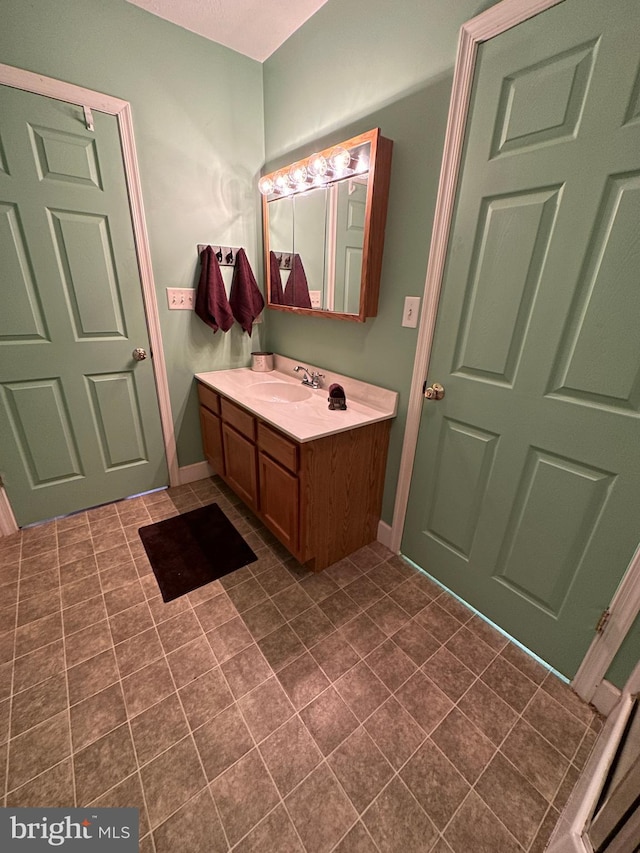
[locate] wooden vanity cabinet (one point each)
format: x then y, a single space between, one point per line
320 498
211 428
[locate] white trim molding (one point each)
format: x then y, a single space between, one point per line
488 25
624 607
384 533
606 697
8 523
568 835
191 473
68 92
571 832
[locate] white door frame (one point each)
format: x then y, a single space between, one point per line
17 78
493 22
571 832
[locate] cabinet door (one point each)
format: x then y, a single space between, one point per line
212 439
240 465
279 502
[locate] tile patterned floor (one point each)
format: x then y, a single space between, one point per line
361 709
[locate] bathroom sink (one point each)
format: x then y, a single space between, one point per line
279 392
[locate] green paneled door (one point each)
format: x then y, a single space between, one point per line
525 495
79 420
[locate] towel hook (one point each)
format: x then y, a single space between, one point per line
225 255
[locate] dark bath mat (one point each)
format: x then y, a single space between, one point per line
193 549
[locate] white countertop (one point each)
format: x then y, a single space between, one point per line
310 418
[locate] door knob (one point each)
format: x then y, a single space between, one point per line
434 392
139 354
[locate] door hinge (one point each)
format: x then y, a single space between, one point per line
88 118
603 620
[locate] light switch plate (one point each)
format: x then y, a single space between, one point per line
181 298
411 311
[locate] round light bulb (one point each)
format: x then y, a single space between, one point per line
339 159
298 174
362 163
282 182
266 185
317 166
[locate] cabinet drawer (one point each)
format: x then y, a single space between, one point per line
209 398
239 419
282 449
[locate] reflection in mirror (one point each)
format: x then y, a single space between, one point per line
349 201
309 226
324 223
281 226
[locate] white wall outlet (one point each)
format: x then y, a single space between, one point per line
411 311
181 298
316 298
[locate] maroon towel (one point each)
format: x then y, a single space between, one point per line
212 305
296 292
245 299
276 295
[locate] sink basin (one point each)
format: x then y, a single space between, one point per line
279 392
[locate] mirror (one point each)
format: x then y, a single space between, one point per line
324 220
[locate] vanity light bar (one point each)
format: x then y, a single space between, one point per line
323 167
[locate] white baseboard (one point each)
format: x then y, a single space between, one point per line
191 473
606 697
384 533
7 519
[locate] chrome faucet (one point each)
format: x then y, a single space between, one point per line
311 378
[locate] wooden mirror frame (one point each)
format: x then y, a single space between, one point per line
379 173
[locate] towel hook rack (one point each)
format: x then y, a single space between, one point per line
226 255
284 259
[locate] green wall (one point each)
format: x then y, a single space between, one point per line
198 121
353 66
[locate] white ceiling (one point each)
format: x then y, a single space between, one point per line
252 27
